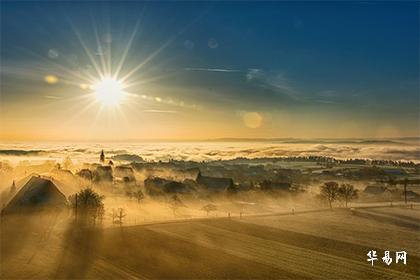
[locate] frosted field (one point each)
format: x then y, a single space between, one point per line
321 245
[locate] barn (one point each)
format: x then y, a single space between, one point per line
37 194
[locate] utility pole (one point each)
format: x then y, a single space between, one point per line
75 207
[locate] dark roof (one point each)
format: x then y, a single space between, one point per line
103 173
123 171
214 183
279 186
85 173
375 189
36 193
157 185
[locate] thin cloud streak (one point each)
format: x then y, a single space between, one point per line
213 70
160 111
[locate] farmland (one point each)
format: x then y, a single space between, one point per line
318 245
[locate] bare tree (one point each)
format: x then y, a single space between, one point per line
121 213
209 207
175 203
329 191
347 192
138 195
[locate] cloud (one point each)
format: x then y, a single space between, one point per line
160 111
274 81
52 97
20 152
213 70
222 150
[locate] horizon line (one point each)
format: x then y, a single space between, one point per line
219 139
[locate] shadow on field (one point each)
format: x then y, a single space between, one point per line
16 231
392 219
80 243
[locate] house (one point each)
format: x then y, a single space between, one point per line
376 190
103 173
128 157
38 193
267 185
125 173
412 195
214 183
85 174
157 186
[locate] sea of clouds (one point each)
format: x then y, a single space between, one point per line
402 149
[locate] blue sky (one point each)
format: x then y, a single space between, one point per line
355 62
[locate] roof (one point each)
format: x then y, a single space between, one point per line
214 183
375 189
38 192
156 184
268 185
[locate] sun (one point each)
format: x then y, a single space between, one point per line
109 92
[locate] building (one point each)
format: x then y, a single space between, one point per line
103 174
214 183
37 194
157 186
267 185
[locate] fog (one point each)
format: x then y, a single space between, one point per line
398 149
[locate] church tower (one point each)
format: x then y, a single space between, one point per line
102 157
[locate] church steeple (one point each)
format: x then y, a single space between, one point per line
13 188
102 157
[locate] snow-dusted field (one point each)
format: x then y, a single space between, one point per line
319 245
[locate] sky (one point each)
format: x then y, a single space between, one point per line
185 70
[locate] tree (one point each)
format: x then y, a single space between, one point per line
138 195
347 192
209 207
87 204
329 191
174 203
118 215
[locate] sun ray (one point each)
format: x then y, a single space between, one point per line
100 50
87 51
148 59
75 74
126 50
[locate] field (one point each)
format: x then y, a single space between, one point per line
316 245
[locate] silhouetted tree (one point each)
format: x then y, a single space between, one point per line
118 215
329 191
87 204
138 195
347 192
121 214
175 203
209 207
